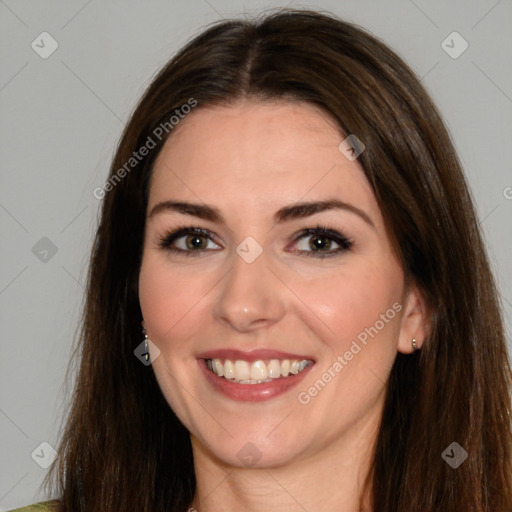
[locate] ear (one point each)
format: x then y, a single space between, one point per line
415 321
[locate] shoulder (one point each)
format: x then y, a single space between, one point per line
44 506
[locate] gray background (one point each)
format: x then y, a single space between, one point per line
62 116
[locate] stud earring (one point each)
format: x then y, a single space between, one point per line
413 344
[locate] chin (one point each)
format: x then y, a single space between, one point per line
255 450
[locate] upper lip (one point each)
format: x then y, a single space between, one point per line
252 355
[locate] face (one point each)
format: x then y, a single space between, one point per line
277 325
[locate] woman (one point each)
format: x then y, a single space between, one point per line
289 304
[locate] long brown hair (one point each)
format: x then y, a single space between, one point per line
123 449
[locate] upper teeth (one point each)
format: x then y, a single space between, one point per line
258 371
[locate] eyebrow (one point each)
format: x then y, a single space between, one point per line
287 213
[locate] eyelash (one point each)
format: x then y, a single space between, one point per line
344 242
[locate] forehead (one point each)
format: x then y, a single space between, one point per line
258 156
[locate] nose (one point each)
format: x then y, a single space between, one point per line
251 296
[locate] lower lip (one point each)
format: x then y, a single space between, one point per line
252 392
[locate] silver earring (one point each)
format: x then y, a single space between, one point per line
413 344
146 351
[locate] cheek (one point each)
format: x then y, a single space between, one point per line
351 300
166 297
169 299
361 307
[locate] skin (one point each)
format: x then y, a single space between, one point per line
249 160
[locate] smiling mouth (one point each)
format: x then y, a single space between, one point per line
262 371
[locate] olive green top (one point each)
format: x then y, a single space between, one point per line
43 506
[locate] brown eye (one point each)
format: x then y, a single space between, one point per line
320 243
195 242
188 241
